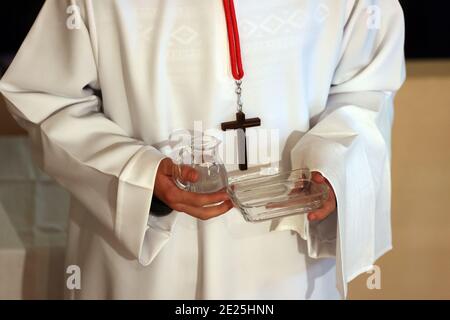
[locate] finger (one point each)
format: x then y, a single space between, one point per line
319 214
205 213
299 187
200 199
184 173
188 174
165 166
317 177
328 207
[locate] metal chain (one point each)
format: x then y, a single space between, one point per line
239 95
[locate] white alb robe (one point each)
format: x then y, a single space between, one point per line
323 73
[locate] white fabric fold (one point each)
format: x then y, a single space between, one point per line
134 195
102 166
158 232
355 159
349 144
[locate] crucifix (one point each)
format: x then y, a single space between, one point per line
240 125
238 73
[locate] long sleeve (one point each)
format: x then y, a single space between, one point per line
349 142
50 89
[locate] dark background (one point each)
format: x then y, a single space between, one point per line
427 24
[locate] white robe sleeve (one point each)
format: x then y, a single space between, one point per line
49 89
349 142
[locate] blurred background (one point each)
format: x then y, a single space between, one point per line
33 209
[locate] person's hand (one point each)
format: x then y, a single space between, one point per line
188 202
330 204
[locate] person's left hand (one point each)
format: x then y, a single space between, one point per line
330 204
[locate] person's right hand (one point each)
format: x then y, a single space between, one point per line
188 202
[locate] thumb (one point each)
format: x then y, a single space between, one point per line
188 173
184 172
166 166
317 177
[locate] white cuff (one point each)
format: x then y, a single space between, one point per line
135 191
157 233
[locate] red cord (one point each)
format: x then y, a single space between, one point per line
233 39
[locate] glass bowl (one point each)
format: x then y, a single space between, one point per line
270 196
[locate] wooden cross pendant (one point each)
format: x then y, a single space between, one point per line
241 124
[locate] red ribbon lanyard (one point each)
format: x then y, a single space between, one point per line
233 39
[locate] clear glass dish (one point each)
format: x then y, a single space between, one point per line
269 196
